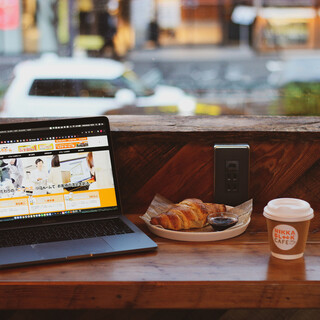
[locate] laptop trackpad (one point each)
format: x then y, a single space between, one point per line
72 248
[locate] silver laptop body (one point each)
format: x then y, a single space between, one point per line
59 196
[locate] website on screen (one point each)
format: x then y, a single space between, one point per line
55 175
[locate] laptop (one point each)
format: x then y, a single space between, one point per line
59 196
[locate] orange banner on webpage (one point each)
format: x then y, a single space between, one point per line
34 147
65 146
71 143
58 202
27 148
71 140
14 207
90 199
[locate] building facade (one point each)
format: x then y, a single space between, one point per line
69 26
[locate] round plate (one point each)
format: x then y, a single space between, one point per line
190 235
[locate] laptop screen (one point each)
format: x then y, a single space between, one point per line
55 168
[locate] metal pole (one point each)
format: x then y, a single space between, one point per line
244 36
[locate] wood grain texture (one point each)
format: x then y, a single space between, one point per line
277 170
233 273
196 124
173 156
173 295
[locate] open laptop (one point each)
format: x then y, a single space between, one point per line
59 197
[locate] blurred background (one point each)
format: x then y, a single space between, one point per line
187 57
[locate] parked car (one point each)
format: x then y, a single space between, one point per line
54 86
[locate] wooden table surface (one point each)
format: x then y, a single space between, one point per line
233 273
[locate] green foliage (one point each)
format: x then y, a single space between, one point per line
300 99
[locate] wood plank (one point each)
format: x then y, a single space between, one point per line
277 169
151 295
283 151
196 124
233 273
243 258
280 167
138 162
182 174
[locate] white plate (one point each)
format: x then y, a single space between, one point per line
200 235
206 233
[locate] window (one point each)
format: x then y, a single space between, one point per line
86 88
54 88
196 56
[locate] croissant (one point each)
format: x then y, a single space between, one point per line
189 213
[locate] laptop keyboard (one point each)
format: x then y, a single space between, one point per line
68 231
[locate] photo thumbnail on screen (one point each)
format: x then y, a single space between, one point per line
58 173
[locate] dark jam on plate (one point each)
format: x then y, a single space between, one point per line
222 223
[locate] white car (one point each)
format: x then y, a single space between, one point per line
61 87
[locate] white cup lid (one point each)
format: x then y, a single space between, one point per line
288 210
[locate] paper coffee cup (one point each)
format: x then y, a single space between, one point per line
288 221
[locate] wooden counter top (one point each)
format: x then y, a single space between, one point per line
196 124
173 156
233 273
206 129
